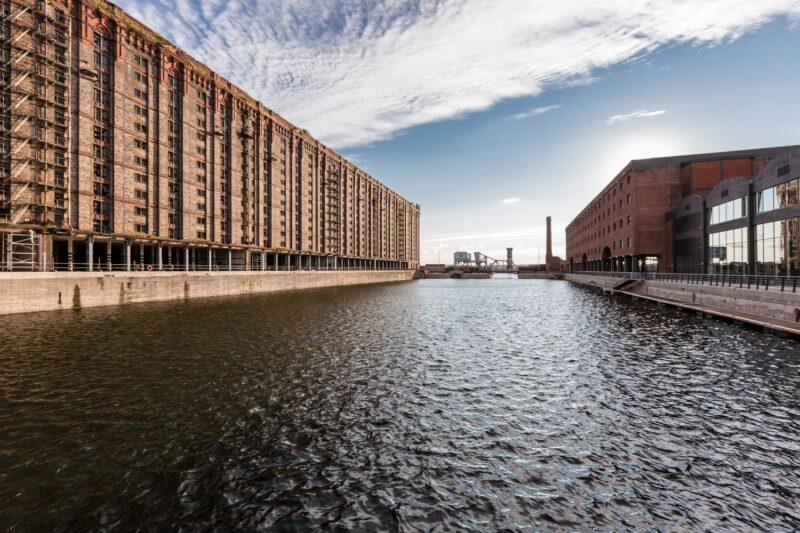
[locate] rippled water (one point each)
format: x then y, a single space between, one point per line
432 405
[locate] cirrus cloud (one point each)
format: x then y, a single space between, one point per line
535 112
512 200
636 114
358 71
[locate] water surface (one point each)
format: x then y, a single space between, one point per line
434 405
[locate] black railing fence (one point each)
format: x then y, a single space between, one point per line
779 283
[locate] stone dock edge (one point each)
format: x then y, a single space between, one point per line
42 291
772 311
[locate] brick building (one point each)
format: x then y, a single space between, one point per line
117 148
629 225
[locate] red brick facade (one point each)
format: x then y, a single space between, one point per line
627 227
159 148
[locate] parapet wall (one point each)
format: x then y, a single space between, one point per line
26 292
765 303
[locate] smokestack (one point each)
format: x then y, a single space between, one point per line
549 255
510 257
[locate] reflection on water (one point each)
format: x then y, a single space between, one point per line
460 404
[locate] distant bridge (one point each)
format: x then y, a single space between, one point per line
480 262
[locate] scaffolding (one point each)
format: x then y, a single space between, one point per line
19 251
34 58
332 211
401 233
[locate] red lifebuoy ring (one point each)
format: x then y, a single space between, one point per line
149 268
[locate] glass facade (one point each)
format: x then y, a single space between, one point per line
733 210
779 196
727 252
778 248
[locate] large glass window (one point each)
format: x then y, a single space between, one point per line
779 196
727 252
778 248
733 210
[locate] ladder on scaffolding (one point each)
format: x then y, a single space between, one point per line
19 251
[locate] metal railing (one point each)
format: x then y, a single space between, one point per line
742 281
64 267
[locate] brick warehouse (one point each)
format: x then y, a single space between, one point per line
629 225
119 151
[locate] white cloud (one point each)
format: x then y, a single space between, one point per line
512 200
636 114
535 112
357 71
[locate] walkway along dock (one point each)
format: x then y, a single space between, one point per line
770 303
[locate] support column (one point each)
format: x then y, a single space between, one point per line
230 259
248 256
210 257
186 258
160 257
127 256
90 252
45 251
141 255
70 254
263 261
109 264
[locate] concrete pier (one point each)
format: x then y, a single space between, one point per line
34 291
772 309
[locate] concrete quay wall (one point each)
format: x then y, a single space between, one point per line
27 292
769 304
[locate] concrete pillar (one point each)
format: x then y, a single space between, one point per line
288 262
160 257
317 262
45 251
127 256
263 261
169 257
90 252
141 255
70 253
276 259
210 257
248 256
186 258
109 264
230 259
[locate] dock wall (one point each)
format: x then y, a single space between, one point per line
768 304
27 292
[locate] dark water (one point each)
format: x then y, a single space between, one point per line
434 405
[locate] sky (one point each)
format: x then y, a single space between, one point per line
493 114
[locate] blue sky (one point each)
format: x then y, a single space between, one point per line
493 115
